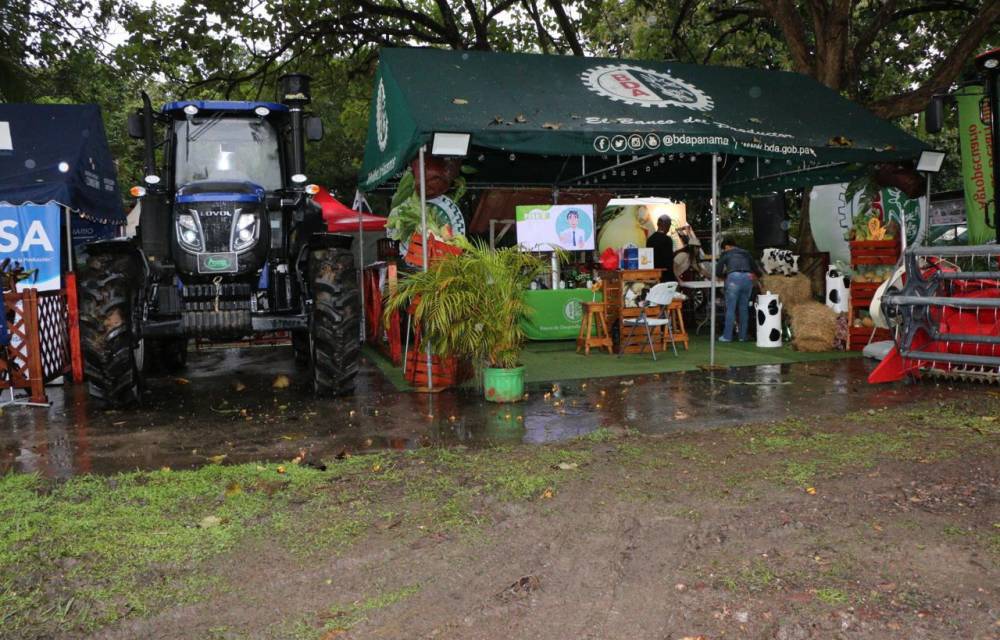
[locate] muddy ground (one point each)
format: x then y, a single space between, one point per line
880 523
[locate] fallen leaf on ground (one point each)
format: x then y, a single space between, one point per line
811 490
233 489
567 466
210 521
281 468
281 382
551 125
182 381
520 118
547 493
216 459
239 386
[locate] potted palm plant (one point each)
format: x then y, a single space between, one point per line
470 306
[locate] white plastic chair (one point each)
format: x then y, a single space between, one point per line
661 296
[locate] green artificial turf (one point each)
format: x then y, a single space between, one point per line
549 361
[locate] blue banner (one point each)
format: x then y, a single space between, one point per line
84 230
29 235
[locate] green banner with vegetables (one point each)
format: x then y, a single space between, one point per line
977 162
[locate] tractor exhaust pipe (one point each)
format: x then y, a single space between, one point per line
149 158
295 95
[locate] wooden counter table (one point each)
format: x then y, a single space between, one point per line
622 291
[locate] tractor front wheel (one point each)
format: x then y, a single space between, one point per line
110 311
334 346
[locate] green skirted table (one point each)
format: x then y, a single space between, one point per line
556 313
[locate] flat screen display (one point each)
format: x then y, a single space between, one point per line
545 227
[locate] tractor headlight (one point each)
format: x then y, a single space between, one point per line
245 231
189 233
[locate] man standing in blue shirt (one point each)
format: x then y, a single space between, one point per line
739 268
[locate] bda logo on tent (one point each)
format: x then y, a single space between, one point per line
381 118
644 87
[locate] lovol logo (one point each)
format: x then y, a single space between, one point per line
217 263
644 87
213 213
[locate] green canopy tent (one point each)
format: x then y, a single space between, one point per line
627 125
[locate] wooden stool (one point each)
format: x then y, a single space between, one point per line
676 325
588 325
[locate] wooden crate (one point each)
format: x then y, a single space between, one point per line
858 337
862 294
436 250
874 252
446 372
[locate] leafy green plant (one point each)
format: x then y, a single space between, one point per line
471 305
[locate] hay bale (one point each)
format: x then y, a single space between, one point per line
791 290
814 327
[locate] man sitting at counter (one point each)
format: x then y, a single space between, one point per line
663 249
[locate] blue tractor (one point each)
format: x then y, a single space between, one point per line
228 245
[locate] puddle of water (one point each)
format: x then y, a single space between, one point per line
185 421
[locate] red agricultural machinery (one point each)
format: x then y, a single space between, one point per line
945 308
946 315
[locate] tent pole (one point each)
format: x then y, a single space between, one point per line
69 240
423 249
715 250
361 259
925 218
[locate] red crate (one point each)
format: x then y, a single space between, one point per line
874 252
858 337
436 250
445 372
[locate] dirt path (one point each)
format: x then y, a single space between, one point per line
881 525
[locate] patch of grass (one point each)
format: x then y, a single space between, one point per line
834 597
800 473
755 577
103 547
343 617
600 434
955 531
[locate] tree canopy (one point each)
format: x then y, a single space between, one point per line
890 55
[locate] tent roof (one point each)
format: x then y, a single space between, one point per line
58 152
570 121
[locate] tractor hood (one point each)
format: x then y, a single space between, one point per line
209 191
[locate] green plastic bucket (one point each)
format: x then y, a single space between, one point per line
503 385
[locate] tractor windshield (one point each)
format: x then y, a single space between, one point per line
228 149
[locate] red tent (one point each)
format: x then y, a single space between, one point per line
342 219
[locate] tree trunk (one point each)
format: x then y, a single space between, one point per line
810 265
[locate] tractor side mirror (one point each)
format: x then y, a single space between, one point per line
135 128
314 129
934 116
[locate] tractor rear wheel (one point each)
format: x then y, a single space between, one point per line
334 324
110 311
